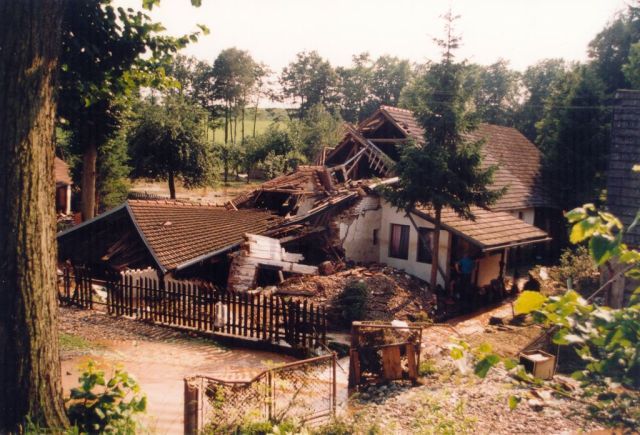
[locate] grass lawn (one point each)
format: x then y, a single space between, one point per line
70 342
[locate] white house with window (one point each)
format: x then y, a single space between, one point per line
378 232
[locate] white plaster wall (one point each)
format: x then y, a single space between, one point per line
528 214
356 234
489 269
411 266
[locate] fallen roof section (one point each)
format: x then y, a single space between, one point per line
490 230
179 234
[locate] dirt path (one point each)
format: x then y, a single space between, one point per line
159 358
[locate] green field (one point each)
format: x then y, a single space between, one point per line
266 117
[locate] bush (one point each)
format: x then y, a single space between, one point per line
99 406
352 302
579 266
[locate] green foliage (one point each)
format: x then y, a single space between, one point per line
427 367
166 142
353 300
610 49
70 342
367 84
631 69
606 339
447 171
578 265
497 93
528 301
113 172
309 80
573 137
514 401
318 128
434 418
539 81
101 406
277 151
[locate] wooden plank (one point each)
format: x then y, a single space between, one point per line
391 363
412 361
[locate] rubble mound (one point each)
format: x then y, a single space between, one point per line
393 293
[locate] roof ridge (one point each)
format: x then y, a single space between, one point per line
399 109
174 202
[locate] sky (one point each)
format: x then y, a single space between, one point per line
273 31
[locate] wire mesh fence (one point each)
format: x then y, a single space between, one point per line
304 391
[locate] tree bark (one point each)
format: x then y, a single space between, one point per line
436 249
30 383
242 127
226 124
255 118
172 185
88 193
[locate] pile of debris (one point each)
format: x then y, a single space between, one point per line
393 293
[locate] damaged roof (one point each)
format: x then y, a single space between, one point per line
180 234
491 230
306 179
517 158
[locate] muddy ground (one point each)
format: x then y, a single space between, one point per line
158 357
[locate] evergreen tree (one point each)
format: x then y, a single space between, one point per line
446 171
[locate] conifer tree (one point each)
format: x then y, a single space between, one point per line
446 170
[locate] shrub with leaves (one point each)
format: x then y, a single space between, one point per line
352 302
577 265
607 340
101 406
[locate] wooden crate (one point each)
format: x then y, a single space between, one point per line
540 364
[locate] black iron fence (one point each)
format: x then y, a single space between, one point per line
304 390
199 306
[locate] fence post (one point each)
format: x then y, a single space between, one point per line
191 405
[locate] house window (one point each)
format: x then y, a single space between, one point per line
425 245
399 241
521 215
375 236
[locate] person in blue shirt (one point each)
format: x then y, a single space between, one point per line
466 265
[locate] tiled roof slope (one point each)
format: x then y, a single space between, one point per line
623 185
491 229
61 172
519 163
179 233
406 121
518 159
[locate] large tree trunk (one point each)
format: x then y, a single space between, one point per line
172 185
88 193
29 360
436 249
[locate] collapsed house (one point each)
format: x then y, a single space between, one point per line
340 201
331 211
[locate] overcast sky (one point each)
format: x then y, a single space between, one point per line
273 31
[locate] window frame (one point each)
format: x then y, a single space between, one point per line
420 248
403 248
